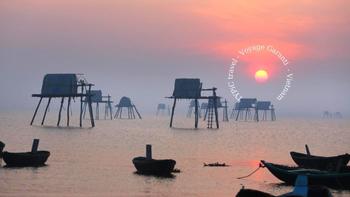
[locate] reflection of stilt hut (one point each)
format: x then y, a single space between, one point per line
191 89
98 98
246 105
125 102
64 86
263 107
163 109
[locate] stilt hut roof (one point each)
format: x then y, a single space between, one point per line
245 103
187 88
125 102
59 84
96 96
263 105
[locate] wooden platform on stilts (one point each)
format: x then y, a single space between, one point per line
64 86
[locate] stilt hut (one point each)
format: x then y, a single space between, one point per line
327 114
98 98
263 107
65 86
125 102
247 106
163 109
191 89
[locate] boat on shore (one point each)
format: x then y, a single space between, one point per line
319 162
160 167
25 159
287 174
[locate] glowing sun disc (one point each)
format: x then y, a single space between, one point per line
261 76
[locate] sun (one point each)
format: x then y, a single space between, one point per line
261 76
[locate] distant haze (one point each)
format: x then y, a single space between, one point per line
137 48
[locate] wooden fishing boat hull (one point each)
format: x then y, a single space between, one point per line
154 166
288 175
26 159
318 162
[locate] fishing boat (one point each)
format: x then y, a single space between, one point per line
331 179
154 166
25 159
319 162
301 189
149 166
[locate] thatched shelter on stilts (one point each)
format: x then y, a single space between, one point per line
247 106
163 109
65 86
98 98
191 89
264 107
125 102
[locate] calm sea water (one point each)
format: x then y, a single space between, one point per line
97 162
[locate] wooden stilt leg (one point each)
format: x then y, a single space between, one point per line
137 112
81 112
36 110
47 106
110 109
206 113
59 113
97 112
238 114
196 113
84 109
91 113
172 113
90 107
216 114
68 108
116 113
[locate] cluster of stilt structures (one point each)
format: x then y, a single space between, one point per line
252 109
163 109
125 102
98 98
64 86
192 89
329 115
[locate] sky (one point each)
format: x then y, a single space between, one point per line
137 48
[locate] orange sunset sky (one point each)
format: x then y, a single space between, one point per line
138 48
